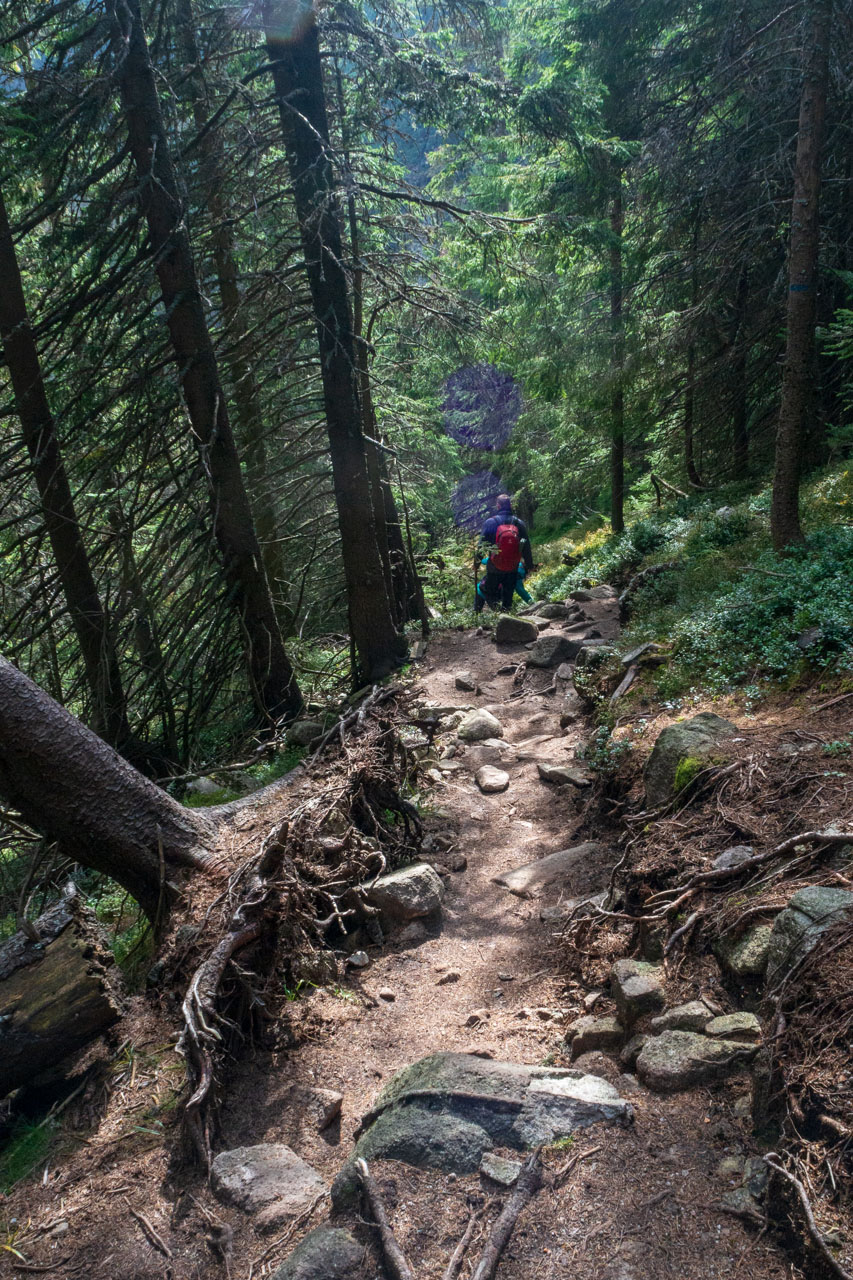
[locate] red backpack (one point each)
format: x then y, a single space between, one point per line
507 553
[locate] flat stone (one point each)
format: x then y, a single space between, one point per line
563 774
604 592
735 1026
408 893
491 780
303 732
387 994
589 1033
465 681
325 1254
552 651
736 856
677 1060
478 725
269 1180
542 623
509 630
499 1169
693 1016
490 751
554 610
637 989
582 870
693 739
799 928
745 956
446 1110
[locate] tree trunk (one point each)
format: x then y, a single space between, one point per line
690 383
248 411
798 374
69 784
740 403
94 636
294 52
617 365
58 991
273 682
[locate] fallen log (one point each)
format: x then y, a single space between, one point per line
59 991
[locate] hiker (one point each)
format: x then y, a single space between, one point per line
508 546
520 589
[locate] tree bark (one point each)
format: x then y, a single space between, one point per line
617 364
294 51
273 681
69 784
58 991
248 411
740 403
88 617
798 374
690 383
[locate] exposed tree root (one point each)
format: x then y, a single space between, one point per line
395 1259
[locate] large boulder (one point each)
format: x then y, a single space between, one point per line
478 725
517 631
580 871
325 1254
551 651
303 732
445 1111
799 928
268 1180
554 610
408 893
687 740
677 1060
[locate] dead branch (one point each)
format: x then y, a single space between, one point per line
772 1160
454 1266
529 1182
153 1237
394 1256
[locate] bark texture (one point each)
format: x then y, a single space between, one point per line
273 680
91 626
617 364
56 994
69 784
799 371
294 52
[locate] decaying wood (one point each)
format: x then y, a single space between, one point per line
57 994
529 1182
395 1259
772 1160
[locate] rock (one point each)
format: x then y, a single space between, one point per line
407 893
637 989
413 933
204 787
477 1018
692 1016
554 610
303 732
679 1059
323 1106
551 651
325 1254
268 1179
593 653
591 998
491 780
452 975
604 592
446 1110
358 960
588 1033
465 681
542 623
798 929
756 1176
736 856
735 1026
742 1107
490 751
571 710
745 956
386 993
730 1167
565 671
631 1051
582 870
806 639
563 774
511 630
478 725
499 1169
693 739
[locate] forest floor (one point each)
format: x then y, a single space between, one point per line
642 1205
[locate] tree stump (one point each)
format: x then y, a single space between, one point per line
57 994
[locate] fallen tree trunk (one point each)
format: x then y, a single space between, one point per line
59 990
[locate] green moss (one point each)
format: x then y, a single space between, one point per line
685 771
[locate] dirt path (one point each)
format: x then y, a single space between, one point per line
641 1207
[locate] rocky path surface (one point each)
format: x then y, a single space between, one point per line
484 980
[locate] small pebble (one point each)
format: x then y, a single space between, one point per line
359 959
385 993
506 977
